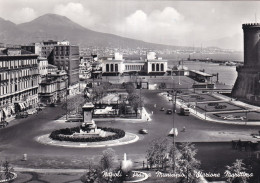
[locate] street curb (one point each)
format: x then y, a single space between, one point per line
208 119
85 145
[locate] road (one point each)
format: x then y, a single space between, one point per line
18 139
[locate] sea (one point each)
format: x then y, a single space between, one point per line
227 74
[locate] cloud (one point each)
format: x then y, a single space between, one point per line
23 15
163 26
77 13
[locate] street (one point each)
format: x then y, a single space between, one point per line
19 139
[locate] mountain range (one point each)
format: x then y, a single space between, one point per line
57 27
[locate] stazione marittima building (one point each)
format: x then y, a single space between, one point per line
18 82
117 65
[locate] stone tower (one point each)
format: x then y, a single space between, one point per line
247 85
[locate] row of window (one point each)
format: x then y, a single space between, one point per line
7 89
18 73
157 67
134 67
111 67
18 97
17 63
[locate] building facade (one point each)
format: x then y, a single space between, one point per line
53 87
61 54
19 78
152 65
66 57
247 85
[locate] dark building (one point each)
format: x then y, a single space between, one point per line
61 54
247 85
66 57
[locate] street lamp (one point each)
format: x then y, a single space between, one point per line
174 131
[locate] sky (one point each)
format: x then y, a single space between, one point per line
189 23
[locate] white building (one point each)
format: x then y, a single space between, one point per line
152 65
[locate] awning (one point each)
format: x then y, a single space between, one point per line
5 112
12 109
25 105
21 106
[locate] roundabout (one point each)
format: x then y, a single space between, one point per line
127 139
87 134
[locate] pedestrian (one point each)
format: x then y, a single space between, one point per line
183 129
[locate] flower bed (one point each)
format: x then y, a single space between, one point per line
12 177
66 135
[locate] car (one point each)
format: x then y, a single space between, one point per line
22 115
162 109
169 111
143 131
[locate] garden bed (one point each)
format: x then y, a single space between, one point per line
219 106
67 135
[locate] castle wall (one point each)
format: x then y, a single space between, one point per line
248 80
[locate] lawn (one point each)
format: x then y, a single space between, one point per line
220 106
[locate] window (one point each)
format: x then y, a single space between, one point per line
153 67
116 67
162 67
112 67
157 67
107 67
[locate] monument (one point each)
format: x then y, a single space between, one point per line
89 127
247 85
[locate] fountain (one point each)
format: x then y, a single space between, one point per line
129 175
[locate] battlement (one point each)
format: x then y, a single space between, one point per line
251 25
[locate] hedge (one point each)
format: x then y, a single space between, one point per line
66 135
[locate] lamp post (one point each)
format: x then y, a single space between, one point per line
173 125
66 94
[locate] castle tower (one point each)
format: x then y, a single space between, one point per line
247 85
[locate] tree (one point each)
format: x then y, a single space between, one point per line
174 158
7 170
104 171
157 153
122 108
130 88
72 104
92 175
107 161
234 171
188 164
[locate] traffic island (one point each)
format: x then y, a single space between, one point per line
88 134
127 139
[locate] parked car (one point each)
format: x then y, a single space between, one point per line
169 111
53 105
143 131
22 115
162 109
3 124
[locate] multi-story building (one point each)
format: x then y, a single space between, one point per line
42 67
53 87
66 57
18 82
61 54
152 65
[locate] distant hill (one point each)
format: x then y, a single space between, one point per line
56 27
